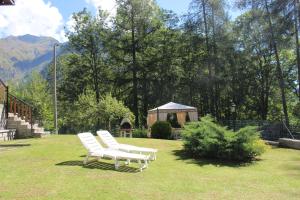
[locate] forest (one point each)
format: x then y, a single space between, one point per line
145 56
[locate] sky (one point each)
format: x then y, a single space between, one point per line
49 17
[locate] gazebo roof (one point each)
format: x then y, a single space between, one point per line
173 107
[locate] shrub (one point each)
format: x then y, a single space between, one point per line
139 133
88 114
210 140
161 130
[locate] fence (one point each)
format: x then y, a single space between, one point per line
20 108
12 104
269 130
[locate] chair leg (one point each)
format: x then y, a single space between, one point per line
141 165
86 159
127 162
117 164
153 156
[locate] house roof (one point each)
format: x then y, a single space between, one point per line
173 107
7 2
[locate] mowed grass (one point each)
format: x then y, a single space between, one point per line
51 168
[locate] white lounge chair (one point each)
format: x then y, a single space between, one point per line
112 143
96 150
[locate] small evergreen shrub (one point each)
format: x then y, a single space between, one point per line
210 140
139 133
161 130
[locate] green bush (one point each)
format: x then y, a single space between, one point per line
139 133
161 130
210 140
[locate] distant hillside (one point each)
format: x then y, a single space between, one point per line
22 54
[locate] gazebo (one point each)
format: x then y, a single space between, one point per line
160 113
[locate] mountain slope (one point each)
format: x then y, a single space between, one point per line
22 54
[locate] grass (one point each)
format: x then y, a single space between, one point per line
51 168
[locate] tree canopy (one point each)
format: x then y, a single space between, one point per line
146 56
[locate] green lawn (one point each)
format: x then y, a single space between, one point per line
51 168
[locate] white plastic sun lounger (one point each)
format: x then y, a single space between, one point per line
96 150
112 143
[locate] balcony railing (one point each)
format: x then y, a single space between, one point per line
13 104
20 108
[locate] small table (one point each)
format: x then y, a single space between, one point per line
8 134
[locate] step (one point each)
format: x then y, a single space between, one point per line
13 122
39 130
14 117
12 126
42 134
23 133
24 129
38 134
25 125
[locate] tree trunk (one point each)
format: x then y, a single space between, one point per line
134 71
278 67
95 76
210 84
216 95
296 12
96 83
267 75
265 90
145 97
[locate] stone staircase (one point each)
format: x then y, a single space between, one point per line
23 128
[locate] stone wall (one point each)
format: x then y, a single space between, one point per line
289 143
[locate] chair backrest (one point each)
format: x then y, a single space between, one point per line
90 142
108 139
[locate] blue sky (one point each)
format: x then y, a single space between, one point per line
178 6
49 17
68 7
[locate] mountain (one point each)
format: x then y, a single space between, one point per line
19 55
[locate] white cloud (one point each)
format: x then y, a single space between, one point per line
70 24
109 5
31 17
